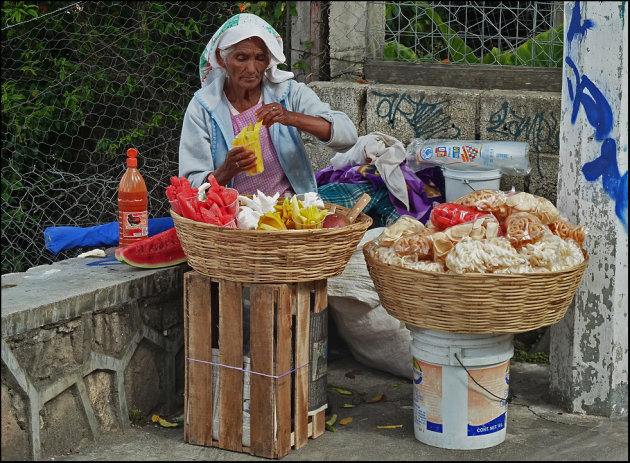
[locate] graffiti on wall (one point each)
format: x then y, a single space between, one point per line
428 120
586 95
540 130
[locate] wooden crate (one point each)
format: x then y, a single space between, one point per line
279 329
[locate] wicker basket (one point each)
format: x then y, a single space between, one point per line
261 256
474 303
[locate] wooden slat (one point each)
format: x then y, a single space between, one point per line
262 404
186 355
198 424
321 302
231 354
302 336
284 338
478 76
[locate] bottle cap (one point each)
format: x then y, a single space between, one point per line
131 157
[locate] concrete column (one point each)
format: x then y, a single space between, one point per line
589 347
307 41
300 38
356 34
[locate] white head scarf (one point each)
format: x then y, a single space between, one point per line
240 27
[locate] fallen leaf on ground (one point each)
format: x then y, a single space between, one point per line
340 390
391 426
378 398
330 422
348 405
163 422
353 373
345 421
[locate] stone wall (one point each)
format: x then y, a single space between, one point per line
413 111
83 345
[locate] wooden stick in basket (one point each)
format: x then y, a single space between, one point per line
358 207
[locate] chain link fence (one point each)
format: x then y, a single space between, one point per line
81 83
527 33
84 81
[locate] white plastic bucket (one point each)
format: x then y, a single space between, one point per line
460 182
451 409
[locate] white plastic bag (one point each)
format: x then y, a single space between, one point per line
375 338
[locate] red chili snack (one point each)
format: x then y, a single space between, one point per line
446 215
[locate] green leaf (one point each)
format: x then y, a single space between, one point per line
396 51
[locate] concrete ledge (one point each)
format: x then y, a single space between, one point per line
81 346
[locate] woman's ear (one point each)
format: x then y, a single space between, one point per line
219 59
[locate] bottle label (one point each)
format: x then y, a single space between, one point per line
450 153
135 224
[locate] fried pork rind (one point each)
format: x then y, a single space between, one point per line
418 244
536 205
523 228
405 225
442 245
388 256
484 227
552 253
521 233
566 230
484 256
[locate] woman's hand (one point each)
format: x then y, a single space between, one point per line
237 160
275 112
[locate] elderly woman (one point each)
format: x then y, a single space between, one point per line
241 84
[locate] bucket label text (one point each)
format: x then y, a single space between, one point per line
487 404
427 396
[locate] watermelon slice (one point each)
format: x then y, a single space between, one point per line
161 250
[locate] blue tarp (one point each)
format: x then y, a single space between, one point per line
63 238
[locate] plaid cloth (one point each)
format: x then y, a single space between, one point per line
344 186
380 208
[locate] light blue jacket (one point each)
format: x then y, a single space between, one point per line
207 132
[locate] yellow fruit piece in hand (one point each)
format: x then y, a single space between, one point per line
249 137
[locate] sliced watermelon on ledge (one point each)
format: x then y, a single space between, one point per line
161 250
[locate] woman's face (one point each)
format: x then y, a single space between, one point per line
246 64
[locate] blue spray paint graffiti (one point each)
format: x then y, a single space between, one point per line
585 94
577 28
539 130
427 119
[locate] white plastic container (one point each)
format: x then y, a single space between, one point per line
451 410
460 182
510 157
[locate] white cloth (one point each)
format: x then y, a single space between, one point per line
240 27
386 153
375 338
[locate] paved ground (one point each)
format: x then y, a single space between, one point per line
536 430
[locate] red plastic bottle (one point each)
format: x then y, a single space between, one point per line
133 215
